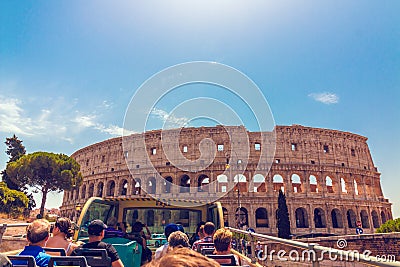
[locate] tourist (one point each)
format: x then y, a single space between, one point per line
96 231
199 231
209 229
183 257
178 239
112 230
61 234
168 230
37 234
138 235
222 242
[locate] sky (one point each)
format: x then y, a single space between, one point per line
69 69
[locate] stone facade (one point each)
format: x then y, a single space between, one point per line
328 176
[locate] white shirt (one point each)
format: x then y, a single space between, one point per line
161 251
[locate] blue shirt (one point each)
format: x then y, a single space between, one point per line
41 258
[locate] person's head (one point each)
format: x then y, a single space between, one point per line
222 240
137 227
178 239
169 229
201 232
38 231
209 229
112 221
64 226
183 257
96 229
122 226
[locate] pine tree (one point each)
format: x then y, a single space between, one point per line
15 150
283 217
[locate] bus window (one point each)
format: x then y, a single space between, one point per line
214 215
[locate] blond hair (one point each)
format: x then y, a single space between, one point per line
222 239
38 231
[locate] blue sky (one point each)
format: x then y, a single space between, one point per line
68 69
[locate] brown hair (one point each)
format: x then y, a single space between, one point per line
65 226
37 231
183 257
209 228
178 239
222 239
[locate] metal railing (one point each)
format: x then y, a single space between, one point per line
313 249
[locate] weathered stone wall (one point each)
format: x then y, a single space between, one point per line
328 176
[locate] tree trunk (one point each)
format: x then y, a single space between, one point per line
44 198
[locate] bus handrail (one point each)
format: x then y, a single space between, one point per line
343 254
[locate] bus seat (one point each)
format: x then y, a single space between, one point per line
68 261
22 260
94 257
207 251
129 251
223 260
200 246
55 251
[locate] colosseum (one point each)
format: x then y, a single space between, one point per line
328 177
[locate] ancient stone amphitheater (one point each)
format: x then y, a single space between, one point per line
328 176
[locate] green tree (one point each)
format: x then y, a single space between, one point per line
46 172
15 150
283 223
389 226
13 202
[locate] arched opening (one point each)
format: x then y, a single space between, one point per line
202 183
150 218
167 184
351 219
301 218
259 183
355 188
100 189
329 185
137 186
240 182
226 217
77 193
151 185
343 185
124 188
110 188
222 183
241 217
313 184
185 184
319 218
296 183
364 219
83 191
375 219
277 181
383 217
262 217
91 190
337 221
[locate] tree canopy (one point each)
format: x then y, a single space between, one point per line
283 217
13 202
15 150
390 226
46 172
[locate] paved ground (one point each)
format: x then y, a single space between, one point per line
12 231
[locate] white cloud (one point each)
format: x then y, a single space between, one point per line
169 118
325 98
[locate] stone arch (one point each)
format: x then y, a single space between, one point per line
167 184
301 218
259 183
313 184
77 193
343 185
383 217
184 184
351 219
91 190
151 185
329 184
203 182
240 182
137 186
124 188
83 191
337 220
364 219
278 183
110 188
319 218
222 180
296 183
241 217
262 217
100 187
375 219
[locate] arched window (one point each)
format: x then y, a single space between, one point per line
259 183
383 217
262 217
100 189
150 218
364 219
375 219
222 183
137 186
185 184
124 188
351 219
313 184
337 221
241 217
355 187
296 183
329 185
343 185
110 189
77 193
301 218
83 191
167 184
151 185
319 218
277 180
91 190
202 183
240 181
